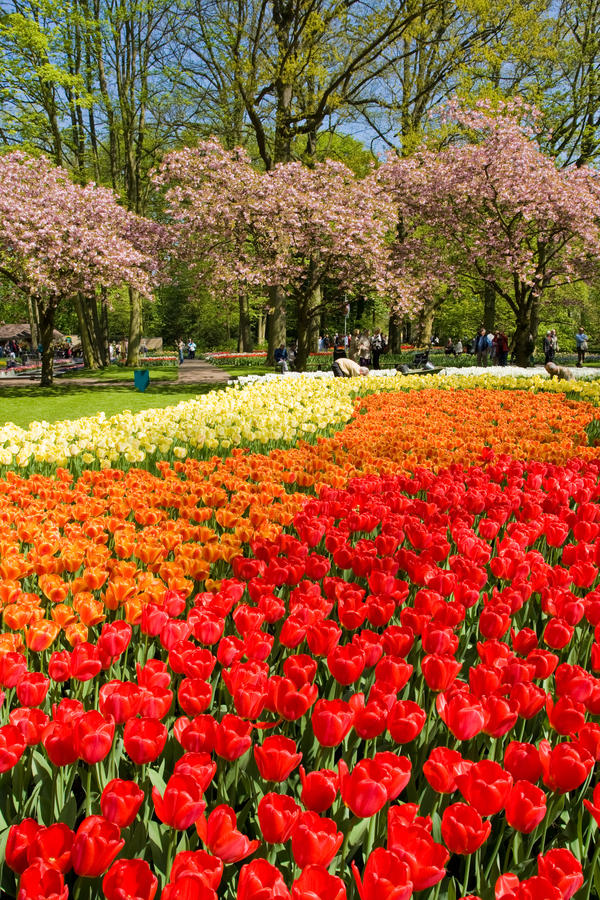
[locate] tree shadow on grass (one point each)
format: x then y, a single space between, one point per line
64 389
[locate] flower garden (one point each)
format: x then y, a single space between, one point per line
311 639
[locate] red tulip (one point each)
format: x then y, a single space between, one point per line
565 767
85 662
144 740
188 888
362 790
562 869
441 767
120 699
223 839
315 840
59 742
200 766
182 803
20 839
30 722
197 864
32 689
42 882
319 789
463 829
525 806
331 721
276 758
194 695
316 882
13 666
130 879
405 721
385 877
463 714
485 786
346 663
593 806
277 817
370 720
439 671
53 846
93 736
96 844
425 858
197 736
523 761
120 802
59 666
232 738
259 880
12 747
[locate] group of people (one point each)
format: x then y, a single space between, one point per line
186 347
492 346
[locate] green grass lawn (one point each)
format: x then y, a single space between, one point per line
23 405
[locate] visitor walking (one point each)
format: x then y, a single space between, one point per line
549 351
376 347
502 348
364 349
353 345
192 349
581 339
482 347
181 351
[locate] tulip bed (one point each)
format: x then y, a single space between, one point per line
362 667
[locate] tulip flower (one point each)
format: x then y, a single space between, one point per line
385 877
562 869
199 865
31 722
182 803
93 735
144 739
593 806
223 839
319 789
40 881
232 738
32 689
120 802
463 829
276 758
97 842
200 766
20 839
331 721
259 880
53 846
130 879
522 761
277 817
315 840
441 767
12 747
315 881
485 786
525 806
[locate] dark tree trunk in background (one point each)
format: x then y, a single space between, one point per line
277 324
394 336
46 311
135 327
244 334
489 306
87 347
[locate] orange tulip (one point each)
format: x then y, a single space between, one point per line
93 578
63 615
42 635
118 591
76 633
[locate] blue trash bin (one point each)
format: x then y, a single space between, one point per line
141 379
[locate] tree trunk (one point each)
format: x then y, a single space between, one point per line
135 326
91 310
46 313
523 340
89 358
314 319
394 336
425 325
103 326
277 324
33 323
244 335
261 329
489 306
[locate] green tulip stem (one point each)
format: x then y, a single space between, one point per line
467 874
592 868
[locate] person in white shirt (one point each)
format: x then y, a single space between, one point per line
347 368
